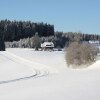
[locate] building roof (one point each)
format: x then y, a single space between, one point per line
47 44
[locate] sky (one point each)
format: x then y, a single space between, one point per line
66 15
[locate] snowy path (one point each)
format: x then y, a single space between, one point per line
37 70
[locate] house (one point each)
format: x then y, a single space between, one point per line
47 46
96 44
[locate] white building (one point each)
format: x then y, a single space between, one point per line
47 45
94 42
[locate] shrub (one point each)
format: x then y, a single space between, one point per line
80 54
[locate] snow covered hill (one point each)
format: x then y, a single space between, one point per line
26 74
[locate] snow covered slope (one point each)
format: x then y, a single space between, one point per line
57 81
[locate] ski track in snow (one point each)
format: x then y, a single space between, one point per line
40 70
17 67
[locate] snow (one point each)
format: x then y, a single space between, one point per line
52 79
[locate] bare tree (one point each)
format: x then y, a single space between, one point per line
36 41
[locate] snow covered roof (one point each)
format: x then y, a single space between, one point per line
93 42
47 44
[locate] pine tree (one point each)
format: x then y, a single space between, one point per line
2 44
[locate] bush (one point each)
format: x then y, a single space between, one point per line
80 54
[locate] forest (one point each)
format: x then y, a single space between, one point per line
22 33
16 30
59 39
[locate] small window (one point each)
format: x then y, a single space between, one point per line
48 45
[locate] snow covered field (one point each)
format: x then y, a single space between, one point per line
26 74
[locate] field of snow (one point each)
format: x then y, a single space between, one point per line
26 74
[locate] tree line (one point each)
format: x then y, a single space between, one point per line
59 39
16 30
22 33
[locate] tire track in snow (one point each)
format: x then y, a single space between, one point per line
18 79
39 72
31 63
